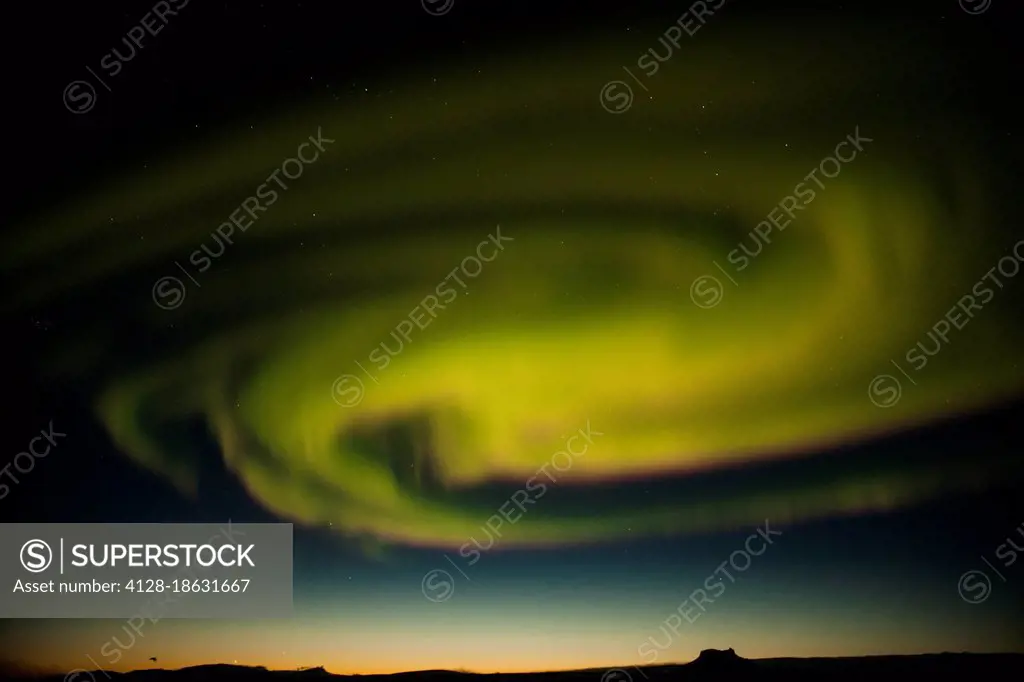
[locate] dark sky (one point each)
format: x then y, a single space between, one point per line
775 407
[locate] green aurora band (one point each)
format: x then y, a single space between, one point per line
584 316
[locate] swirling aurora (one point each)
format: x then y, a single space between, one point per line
585 315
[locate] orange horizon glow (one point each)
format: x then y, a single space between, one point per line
379 650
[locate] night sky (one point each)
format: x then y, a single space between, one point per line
762 267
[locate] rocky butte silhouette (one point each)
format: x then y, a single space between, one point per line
722 662
712 664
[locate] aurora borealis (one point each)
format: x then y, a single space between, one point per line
481 261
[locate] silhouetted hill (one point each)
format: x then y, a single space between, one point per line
725 662
712 664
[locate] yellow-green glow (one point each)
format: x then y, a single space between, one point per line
585 316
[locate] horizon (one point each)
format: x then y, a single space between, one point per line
667 664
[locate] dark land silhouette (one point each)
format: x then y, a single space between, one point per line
712 664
